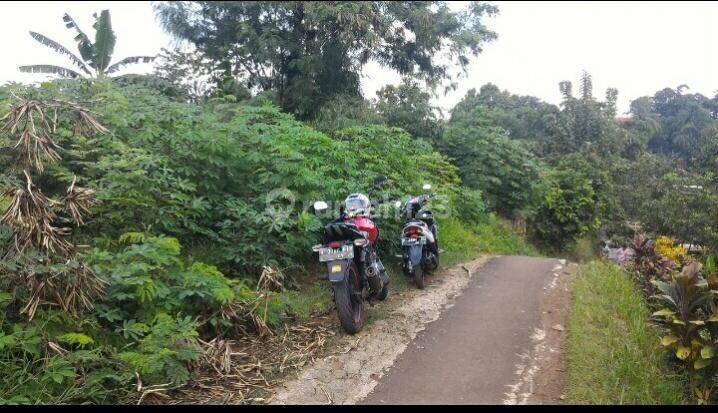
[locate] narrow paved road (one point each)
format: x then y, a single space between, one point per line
477 350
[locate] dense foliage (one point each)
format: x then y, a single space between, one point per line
309 52
502 169
567 208
232 182
156 201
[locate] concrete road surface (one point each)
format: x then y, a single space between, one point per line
471 353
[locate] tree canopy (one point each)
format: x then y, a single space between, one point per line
311 51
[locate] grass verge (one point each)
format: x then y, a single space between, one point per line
613 354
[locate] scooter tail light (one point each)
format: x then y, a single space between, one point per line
412 231
335 245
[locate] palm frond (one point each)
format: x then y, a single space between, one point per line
129 60
59 49
51 69
84 45
104 41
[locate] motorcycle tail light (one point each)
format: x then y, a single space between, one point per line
412 231
335 245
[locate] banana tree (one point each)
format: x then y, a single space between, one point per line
94 59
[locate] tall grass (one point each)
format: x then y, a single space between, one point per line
462 242
613 354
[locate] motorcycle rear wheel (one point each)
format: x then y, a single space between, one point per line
347 297
419 276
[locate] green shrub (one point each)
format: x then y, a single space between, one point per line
584 249
206 173
156 306
502 169
565 210
469 206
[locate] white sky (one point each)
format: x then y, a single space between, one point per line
638 48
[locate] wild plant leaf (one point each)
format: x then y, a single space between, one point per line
664 312
83 42
50 69
60 49
104 45
129 60
682 352
78 339
668 340
707 352
701 363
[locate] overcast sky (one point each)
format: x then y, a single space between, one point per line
637 47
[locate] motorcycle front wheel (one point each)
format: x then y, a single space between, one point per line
347 297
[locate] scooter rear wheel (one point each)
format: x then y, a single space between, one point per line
419 276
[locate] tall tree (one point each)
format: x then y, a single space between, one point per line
686 122
409 107
520 117
94 57
502 169
311 51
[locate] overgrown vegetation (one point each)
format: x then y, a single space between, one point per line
147 216
682 295
188 223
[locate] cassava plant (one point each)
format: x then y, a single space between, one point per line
38 263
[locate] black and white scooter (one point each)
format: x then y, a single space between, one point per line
420 247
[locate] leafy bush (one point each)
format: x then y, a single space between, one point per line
206 174
461 241
470 207
502 169
648 264
156 307
689 313
565 210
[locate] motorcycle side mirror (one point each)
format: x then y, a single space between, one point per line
320 206
426 187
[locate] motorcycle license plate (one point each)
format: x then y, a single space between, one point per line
413 241
331 254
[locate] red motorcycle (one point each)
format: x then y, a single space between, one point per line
349 249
